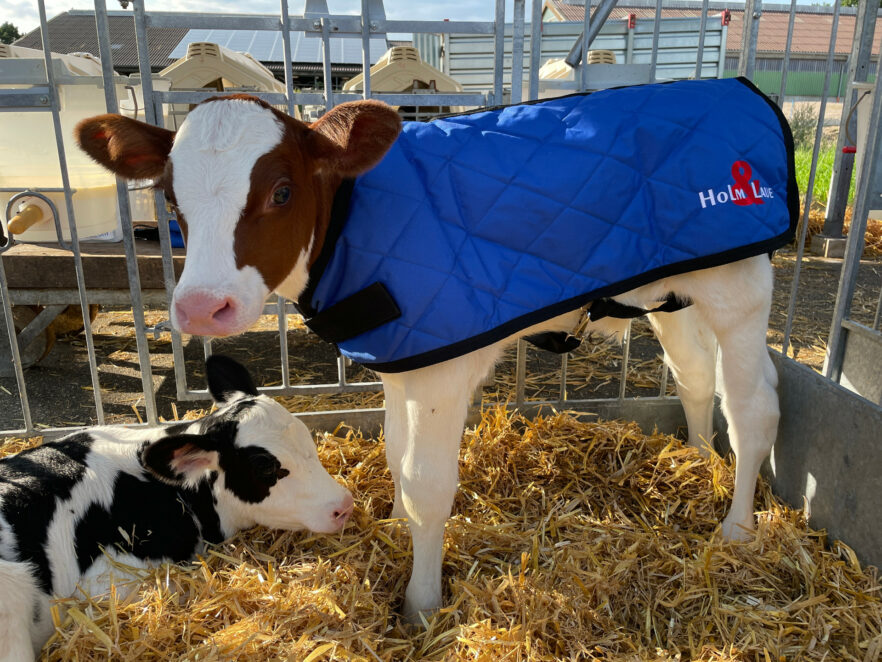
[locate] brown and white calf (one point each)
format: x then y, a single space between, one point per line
254 188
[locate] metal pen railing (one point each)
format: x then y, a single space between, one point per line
373 21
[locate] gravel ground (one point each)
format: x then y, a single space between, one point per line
60 392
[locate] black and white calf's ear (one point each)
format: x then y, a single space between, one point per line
227 379
181 459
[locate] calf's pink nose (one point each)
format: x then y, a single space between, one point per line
202 313
342 513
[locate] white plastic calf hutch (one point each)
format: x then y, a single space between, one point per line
28 159
211 66
402 70
828 452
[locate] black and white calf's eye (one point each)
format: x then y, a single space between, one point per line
267 468
281 195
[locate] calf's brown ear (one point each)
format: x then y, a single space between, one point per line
352 137
126 147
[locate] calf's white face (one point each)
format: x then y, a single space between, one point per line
211 162
253 189
263 460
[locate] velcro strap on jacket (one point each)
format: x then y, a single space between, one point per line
356 314
601 308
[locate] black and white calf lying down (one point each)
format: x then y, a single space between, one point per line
140 497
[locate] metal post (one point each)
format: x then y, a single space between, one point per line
699 60
582 46
153 115
656 29
535 48
843 164
71 219
786 65
753 10
819 131
499 53
286 54
326 62
517 52
626 357
520 372
366 48
564 364
869 186
125 218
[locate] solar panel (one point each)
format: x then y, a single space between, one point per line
267 46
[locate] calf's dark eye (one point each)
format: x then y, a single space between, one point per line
281 195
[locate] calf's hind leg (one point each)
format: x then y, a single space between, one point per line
750 402
690 349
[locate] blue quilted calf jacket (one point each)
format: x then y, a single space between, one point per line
476 226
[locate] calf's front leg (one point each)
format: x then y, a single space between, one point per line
424 423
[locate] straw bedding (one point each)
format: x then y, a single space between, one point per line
569 540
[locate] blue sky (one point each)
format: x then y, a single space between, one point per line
23 13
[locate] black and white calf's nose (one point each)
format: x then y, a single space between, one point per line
343 511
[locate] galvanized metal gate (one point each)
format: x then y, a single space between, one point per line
854 349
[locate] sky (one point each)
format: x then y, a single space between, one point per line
24 14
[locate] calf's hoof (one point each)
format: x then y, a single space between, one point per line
416 603
414 616
738 531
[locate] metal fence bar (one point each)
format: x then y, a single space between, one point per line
286 54
71 219
564 365
843 164
341 371
626 357
583 69
656 30
105 53
153 114
663 381
346 25
877 318
787 49
753 10
535 48
819 132
517 52
499 52
699 60
854 245
13 345
445 27
520 372
395 99
326 64
366 48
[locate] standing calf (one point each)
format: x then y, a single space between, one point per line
71 508
460 235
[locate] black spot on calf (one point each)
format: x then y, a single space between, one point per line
31 485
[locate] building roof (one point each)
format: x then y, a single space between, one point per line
74 31
267 46
811 27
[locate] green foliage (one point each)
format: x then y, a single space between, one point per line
803 123
854 3
823 173
8 33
